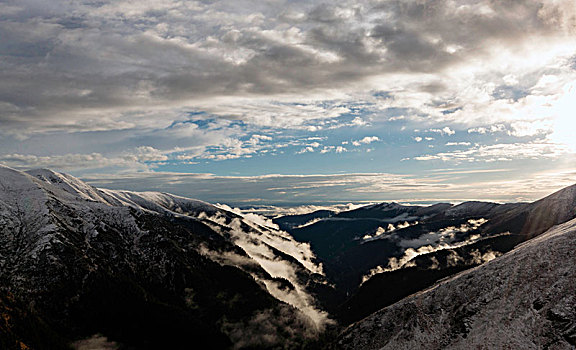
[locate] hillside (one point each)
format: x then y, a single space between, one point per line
521 300
148 270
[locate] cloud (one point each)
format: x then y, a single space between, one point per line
75 161
444 131
481 258
491 129
274 211
446 235
458 144
501 152
306 150
365 141
390 228
259 243
530 128
146 154
96 342
122 88
447 238
251 216
297 190
270 328
110 58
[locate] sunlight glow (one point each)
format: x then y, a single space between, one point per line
565 118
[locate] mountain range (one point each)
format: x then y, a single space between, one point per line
378 254
93 268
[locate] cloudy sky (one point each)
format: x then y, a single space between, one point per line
289 102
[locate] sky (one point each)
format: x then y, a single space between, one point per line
294 102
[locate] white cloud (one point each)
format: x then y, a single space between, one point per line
458 144
248 62
72 161
258 242
369 139
446 238
126 85
491 129
501 152
531 128
359 122
445 186
146 154
444 131
308 149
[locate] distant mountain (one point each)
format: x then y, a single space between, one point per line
352 243
290 222
394 212
379 254
524 299
146 270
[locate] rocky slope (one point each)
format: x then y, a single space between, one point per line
524 299
146 270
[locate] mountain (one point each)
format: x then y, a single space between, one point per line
386 287
97 268
296 221
533 219
350 244
335 239
377 255
146 270
522 300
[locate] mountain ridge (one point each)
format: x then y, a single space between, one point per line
519 300
151 269
72 250
361 255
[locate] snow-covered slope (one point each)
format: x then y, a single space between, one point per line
69 184
62 242
534 218
152 201
471 208
526 299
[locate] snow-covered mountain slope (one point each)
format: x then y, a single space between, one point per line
152 201
141 268
525 299
534 218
